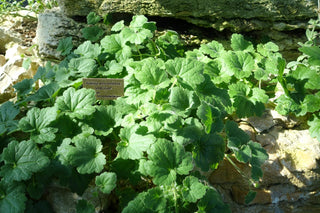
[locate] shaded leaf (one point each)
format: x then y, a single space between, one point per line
250 197
208 150
86 154
8 112
37 122
93 18
65 46
210 118
212 203
192 189
106 182
166 160
13 198
93 33
84 206
21 160
147 202
44 93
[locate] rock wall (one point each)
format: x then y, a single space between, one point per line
12 70
236 15
53 26
291 181
281 21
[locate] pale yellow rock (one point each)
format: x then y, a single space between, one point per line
299 151
10 76
2 60
16 50
12 72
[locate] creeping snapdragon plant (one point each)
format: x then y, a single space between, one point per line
177 117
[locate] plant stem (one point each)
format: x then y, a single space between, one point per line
140 54
154 96
174 83
175 198
318 9
240 172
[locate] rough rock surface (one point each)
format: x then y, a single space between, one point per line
81 8
18 28
63 200
263 20
53 26
11 70
236 15
291 181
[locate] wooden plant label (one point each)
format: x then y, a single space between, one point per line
106 88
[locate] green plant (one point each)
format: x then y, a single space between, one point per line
301 83
37 6
177 116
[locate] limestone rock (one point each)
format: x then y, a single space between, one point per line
7 33
2 60
296 149
293 159
236 15
262 197
263 123
227 174
81 8
271 118
291 175
12 71
249 130
12 27
62 200
53 26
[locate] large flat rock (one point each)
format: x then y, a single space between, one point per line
236 15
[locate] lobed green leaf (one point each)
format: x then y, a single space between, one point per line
315 127
106 182
21 160
76 104
166 160
8 112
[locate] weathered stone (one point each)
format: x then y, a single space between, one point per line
52 27
263 123
81 8
7 33
62 200
297 150
260 19
293 157
227 174
285 121
291 175
12 71
237 15
248 129
273 172
314 197
262 197
11 27
99 200
270 118
2 60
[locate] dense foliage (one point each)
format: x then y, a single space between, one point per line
177 117
37 6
